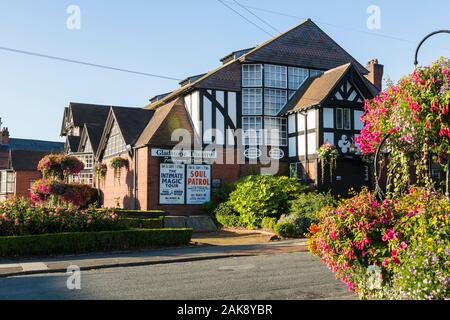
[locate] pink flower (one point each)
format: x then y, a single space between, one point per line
403 246
385 262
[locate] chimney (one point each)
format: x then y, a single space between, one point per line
375 73
5 136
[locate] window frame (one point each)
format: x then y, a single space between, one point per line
273 76
255 79
282 135
256 136
257 104
269 99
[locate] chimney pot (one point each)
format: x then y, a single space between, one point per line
5 136
375 75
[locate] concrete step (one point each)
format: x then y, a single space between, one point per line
197 223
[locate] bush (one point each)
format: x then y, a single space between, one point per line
222 194
406 239
285 229
258 197
19 217
269 223
143 223
138 213
304 211
226 217
75 243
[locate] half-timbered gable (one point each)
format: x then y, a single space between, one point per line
327 109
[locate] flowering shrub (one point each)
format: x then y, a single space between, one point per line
415 112
57 166
19 217
362 232
328 154
57 192
260 196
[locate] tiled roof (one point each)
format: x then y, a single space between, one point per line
34 145
25 160
305 45
164 122
132 121
315 90
73 143
88 113
94 132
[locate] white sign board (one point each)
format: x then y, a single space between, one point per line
171 184
165 153
198 184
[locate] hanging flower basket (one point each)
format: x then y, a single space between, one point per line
328 154
117 164
100 170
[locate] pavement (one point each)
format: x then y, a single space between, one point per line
211 246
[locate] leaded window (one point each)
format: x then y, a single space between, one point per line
274 101
252 101
275 131
275 76
252 75
297 76
252 131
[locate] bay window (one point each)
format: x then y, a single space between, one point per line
252 131
252 101
275 131
296 77
274 101
275 76
252 75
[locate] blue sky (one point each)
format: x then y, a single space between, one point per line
176 38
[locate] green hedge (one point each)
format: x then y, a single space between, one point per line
143 223
141 214
83 242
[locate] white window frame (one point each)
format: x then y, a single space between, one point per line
252 101
274 101
252 128
275 131
275 76
252 75
296 77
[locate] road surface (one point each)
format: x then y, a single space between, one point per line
293 276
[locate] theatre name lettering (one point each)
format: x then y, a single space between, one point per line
185 184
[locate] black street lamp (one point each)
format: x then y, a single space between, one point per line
416 63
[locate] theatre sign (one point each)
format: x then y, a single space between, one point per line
184 184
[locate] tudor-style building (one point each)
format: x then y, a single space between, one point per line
299 81
300 85
83 126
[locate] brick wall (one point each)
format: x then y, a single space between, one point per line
23 179
117 187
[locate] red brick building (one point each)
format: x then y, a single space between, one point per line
18 163
275 103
